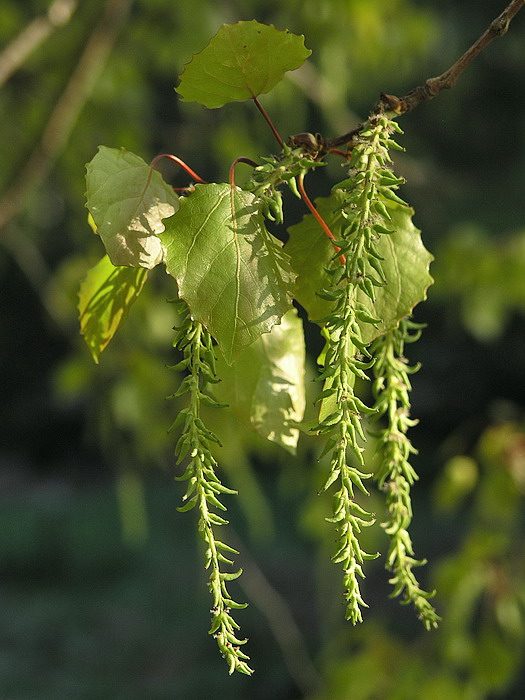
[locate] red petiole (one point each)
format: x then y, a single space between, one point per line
182 164
320 220
338 152
241 159
269 122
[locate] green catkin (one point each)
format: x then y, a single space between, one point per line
204 488
395 474
369 193
341 410
276 171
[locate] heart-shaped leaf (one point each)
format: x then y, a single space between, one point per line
265 388
231 272
241 61
128 201
405 264
104 299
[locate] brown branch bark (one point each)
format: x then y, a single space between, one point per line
67 109
447 80
433 86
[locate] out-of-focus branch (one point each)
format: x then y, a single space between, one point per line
37 272
67 109
280 620
34 34
318 89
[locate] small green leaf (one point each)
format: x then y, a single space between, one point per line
128 201
241 61
230 271
105 297
405 265
265 388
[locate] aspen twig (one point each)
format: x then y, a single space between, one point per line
447 80
433 86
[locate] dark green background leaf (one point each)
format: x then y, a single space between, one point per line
265 387
406 265
241 61
128 201
232 273
105 297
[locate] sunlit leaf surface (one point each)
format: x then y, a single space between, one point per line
128 201
265 387
232 273
405 263
105 297
241 61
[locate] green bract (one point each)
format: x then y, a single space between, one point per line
242 61
232 273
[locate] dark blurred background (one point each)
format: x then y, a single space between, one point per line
102 592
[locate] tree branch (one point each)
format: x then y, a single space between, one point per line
447 80
433 86
282 624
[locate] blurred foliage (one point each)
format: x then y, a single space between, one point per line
485 274
478 649
85 613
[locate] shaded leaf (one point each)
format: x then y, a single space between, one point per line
128 201
231 272
405 265
265 388
105 297
241 61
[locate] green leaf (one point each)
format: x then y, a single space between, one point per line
231 272
105 297
128 201
265 389
405 264
241 61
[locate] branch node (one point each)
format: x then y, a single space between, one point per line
445 81
500 26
